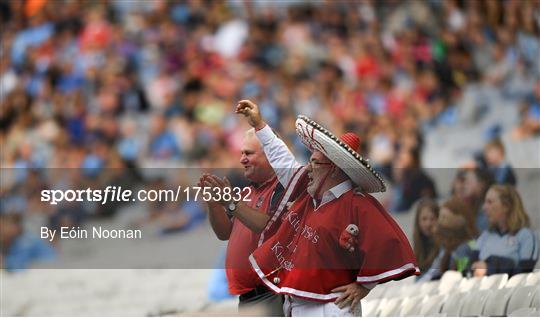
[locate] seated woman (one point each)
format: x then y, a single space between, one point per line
425 248
454 233
509 245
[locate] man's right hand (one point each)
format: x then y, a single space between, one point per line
251 111
204 182
214 182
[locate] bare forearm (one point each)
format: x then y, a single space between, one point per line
254 219
219 221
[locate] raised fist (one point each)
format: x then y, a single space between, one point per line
251 111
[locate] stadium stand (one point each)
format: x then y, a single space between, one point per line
525 312
160 292
432 305
497 302
474 304
136 63
449 281
522 297
488 296
494 281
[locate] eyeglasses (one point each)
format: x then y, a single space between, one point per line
315 163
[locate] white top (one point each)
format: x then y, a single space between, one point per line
279 156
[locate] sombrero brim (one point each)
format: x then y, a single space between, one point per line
316 137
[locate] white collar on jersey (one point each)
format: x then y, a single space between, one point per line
334 192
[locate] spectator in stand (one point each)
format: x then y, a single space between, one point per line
20 249
454 234
163 144
425 248
496 163
530 121
410 181
509 245
458 185
476 183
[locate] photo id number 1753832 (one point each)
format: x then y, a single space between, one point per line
218 194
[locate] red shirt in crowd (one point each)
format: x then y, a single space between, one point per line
243 241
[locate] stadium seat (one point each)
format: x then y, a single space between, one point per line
389 306
532 279
452 306
469 284
497 302
393 290
522 297
525 312
430 288
473 305
536 300
377 292
411 306
497 281
369 307
397 309
432 305
516 280
411 289
449 281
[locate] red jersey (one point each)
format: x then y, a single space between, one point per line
243 241
305 258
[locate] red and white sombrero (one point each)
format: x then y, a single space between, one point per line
341 153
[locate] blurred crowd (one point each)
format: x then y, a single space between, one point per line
95 91
448 236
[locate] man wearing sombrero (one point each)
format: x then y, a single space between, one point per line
336 241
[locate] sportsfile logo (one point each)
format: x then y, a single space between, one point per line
109 194
120 194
